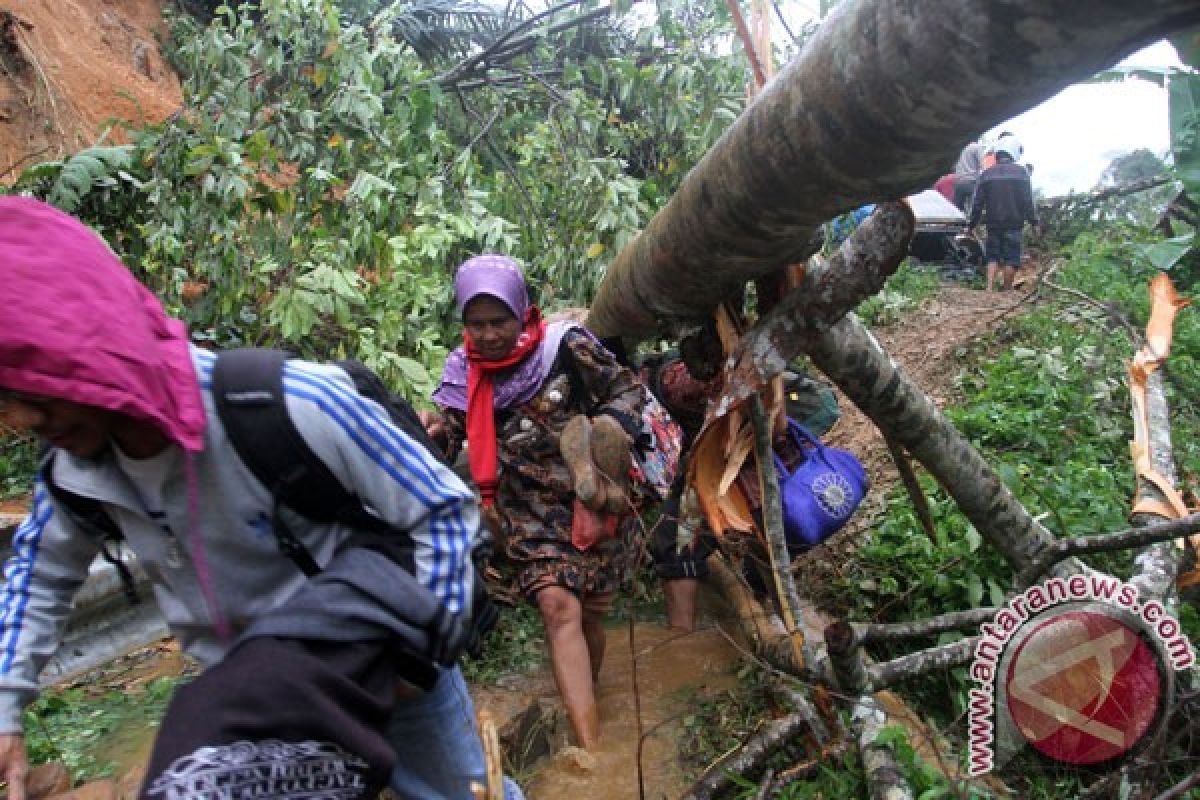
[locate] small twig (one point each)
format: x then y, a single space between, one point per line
637 707
1062 525
502 158
909 478
748 758
24 159
1180 788
1108 309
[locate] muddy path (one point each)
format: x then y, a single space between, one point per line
930 344
648 685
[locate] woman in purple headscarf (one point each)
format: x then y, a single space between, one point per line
532 402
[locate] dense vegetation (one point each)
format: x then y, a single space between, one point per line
329 170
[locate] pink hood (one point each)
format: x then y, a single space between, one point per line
75 324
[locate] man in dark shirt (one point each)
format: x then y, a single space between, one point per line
1004 201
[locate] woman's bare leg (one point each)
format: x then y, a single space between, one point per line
595 608
571 660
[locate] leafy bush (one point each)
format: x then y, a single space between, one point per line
321 182
517 644
904 292
71 725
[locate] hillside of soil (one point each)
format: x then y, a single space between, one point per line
71 71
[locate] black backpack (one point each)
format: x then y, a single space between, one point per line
249 397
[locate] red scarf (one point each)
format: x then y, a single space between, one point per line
481 416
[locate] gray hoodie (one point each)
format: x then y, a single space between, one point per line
217 522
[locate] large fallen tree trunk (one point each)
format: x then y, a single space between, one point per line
875 106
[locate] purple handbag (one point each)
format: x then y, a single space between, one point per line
822 493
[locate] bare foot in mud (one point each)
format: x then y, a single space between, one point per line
575 758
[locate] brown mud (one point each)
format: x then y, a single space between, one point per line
69 69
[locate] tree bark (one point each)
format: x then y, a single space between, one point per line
772 515
923 662
870 633
1152 575
829 289
885 781
1157 566
877 105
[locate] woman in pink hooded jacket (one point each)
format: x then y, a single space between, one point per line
91 364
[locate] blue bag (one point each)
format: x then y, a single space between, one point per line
823 491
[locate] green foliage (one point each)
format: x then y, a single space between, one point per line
320 184
72 725
96 166
517 644
1184 96
903 293
18 461
925 780
721 719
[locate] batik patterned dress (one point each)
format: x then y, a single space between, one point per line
535 494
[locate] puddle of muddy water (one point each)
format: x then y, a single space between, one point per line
669 667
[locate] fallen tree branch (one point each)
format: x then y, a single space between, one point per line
1109 309
1100 195
889 673
1181 788
772 515
749 759
1149 533
908 477
851 357
957 620
885 780
828 290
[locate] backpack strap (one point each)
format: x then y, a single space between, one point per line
89 514
399 409
250 402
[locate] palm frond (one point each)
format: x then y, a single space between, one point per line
438 30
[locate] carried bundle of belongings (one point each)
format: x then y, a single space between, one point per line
820 486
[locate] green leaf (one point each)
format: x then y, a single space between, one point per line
974 589
1183 103
1166 254
1155 75
973 539
414 372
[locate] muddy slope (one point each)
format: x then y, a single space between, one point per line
70 69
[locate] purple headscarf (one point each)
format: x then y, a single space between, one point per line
499 277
